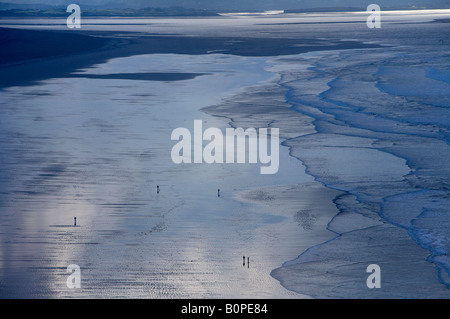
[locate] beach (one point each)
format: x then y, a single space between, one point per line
85 133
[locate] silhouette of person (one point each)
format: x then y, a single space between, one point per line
74 221
157 189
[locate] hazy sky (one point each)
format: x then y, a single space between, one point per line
238 4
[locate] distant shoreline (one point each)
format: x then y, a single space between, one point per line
59 12
154 12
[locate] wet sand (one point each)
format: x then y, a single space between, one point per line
290 216
339 158
61 184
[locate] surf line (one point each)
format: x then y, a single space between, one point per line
231 148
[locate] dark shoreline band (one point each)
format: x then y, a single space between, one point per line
29 56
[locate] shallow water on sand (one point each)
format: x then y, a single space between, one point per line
96 149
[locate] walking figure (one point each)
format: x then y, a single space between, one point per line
218 192
74 221
243 261
157 189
